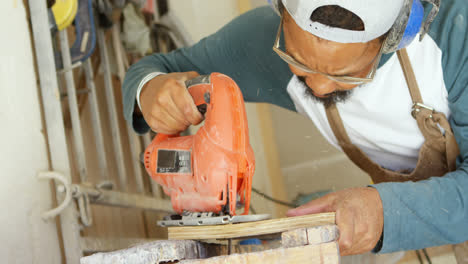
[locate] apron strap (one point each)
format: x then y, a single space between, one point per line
428 120
355 154
409 76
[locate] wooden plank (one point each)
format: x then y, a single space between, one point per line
190 251
244 6
326 253
461 253
250 229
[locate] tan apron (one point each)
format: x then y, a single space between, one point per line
437 155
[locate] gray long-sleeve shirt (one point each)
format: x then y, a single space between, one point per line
416 215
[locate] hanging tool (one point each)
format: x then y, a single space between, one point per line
105 9
85 35
208 173
62 13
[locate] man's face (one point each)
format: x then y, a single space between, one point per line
333 58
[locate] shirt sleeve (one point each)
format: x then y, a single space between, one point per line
435 211
242 50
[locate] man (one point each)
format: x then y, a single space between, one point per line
330 63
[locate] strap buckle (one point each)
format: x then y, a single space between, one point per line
417 108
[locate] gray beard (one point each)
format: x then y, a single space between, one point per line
332 98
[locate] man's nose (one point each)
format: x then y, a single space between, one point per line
321 85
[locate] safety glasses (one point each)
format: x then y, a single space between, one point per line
342 79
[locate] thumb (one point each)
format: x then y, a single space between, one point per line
320 205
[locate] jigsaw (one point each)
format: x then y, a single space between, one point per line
207 175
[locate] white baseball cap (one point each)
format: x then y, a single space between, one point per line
378 17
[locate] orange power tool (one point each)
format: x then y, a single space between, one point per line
209 173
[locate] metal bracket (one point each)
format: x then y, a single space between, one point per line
67 69
105 185
84 206
65 187
417 108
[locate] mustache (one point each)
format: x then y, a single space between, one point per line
332 98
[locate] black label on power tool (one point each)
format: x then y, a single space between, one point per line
174 161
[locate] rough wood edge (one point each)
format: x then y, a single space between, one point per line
154 252
294 248
326 253
309 236
322 234
294 238
251 229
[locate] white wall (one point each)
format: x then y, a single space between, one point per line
204 17
24 236
257 3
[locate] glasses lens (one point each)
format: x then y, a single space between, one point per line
290 60
342 79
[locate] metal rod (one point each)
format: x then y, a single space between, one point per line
73 66
117 52
112 109
73 105
81 91
122 199
137 165
57 144
134 143
419 257
156 10
427 256
96 121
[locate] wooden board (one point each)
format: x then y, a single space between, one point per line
305 245
250 229
326 253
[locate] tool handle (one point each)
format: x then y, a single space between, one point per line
199 88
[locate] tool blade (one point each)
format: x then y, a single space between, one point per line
203 219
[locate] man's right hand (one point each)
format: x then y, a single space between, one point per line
166 104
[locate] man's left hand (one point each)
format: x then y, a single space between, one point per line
359 216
